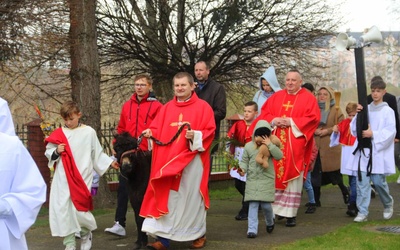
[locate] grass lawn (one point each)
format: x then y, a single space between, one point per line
353 236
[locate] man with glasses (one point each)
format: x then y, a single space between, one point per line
136 115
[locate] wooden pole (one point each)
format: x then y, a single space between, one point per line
337 105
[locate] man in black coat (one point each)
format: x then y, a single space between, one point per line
213 93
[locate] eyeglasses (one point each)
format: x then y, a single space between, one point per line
140 85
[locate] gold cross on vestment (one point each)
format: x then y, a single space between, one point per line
179 123
287 106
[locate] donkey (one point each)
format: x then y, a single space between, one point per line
135 167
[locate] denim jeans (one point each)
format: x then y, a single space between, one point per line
253 215
364 191
353 189
309 189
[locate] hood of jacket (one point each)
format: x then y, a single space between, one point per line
259 124
270 76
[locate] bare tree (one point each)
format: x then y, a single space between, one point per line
240 38
37 72
10 27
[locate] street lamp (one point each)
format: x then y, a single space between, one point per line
343 41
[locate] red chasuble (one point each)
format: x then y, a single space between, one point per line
80 195
304 111
168 162
346 138
239 132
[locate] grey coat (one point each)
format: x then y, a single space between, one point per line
260 182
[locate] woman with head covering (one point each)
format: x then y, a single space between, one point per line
327 165
268 85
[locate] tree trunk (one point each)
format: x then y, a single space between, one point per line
85 69
85 72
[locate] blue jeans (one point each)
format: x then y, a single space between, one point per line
253 215
353 189
309 189
364 191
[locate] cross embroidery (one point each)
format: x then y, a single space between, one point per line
287 106
179 123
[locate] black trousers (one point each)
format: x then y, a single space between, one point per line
241 187
122 201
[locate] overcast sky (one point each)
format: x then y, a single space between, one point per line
366 13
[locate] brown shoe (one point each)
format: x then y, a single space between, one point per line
156 246
199 243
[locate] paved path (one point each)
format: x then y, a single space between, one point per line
224 232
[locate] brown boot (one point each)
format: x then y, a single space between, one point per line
199 243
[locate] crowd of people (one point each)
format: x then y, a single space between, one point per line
288 140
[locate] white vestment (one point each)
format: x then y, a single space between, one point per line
88 155
6 122
186 219
22 188
347 153
383 125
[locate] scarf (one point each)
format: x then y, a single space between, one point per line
324 109
267 94
80 195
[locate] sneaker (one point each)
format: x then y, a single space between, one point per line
398 180
241 217
388 212
360 218
270 228
70 248
291 222
86 243
251 235
117 229
311 208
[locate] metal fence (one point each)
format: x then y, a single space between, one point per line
218 164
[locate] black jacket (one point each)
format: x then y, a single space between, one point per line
214 94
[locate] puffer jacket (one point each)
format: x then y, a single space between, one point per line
260 182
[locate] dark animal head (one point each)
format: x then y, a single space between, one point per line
123 143
135 163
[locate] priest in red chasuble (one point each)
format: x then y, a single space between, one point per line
295 115
177 198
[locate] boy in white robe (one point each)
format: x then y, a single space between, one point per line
70 198
382 131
